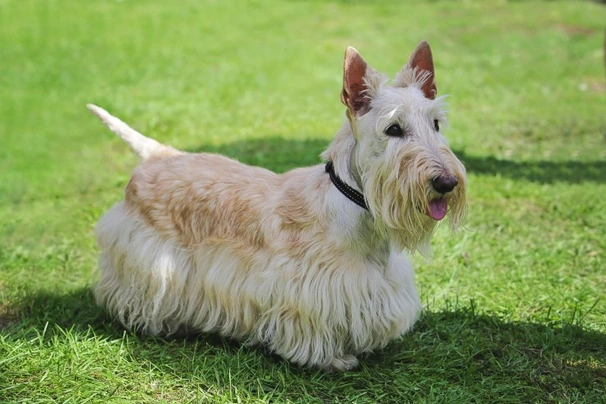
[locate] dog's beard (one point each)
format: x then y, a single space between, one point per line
401 205
405 223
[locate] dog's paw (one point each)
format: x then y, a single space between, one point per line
346 362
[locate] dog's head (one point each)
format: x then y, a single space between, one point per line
410 177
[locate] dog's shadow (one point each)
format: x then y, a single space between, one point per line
457 347
541 171
280 154
277 154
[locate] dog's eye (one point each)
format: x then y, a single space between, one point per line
394 130
436 125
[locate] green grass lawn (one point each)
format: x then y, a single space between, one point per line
515 305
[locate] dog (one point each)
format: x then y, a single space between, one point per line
312 263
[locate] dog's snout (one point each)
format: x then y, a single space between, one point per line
445 183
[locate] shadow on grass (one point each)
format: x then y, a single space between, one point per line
542 171
279 154
276 154
456 352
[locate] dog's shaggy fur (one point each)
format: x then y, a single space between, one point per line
205 243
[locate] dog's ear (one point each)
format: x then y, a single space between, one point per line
419 69
422 60
353 94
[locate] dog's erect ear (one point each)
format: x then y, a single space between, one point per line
422 60
419 69
353 94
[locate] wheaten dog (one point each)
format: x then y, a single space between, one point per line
309 263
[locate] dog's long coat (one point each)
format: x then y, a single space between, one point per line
204 243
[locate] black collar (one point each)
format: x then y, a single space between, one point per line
351 194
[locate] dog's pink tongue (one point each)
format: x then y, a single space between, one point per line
437 209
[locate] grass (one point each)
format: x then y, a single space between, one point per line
515 309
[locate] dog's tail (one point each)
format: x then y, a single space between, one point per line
142 145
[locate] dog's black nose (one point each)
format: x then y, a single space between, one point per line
444 183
